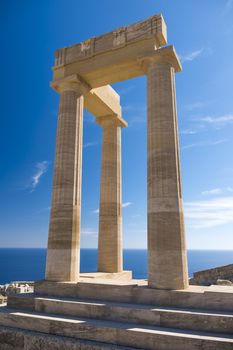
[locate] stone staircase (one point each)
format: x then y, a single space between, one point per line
119 324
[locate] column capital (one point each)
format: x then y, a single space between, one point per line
70 83
111 120
163 56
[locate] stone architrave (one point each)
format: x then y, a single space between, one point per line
64 230
114 56
110 210
167 263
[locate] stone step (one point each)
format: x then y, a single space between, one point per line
123 334
188 319
196 297
17 339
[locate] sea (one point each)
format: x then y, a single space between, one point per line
29 264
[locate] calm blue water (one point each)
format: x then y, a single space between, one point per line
29 264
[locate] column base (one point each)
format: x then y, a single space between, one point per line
123 275
168 286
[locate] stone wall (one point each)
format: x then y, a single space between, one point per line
212 276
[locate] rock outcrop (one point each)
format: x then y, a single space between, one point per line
222 275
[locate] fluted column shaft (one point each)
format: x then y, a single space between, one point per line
64 230
110 210
167 262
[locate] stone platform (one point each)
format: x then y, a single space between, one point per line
103 276
108 313
137 291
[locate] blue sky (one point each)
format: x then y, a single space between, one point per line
202 33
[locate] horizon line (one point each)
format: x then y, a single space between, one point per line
212 249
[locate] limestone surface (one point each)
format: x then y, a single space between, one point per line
64 229
167 262
110 211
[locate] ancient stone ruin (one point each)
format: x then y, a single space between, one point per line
84 70
108 309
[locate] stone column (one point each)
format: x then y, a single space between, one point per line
110 211
64 230
167 261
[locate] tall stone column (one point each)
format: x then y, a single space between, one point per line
167 261
110 211
63 254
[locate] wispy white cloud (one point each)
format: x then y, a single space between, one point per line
89 232
89 144
188 132
43 210
214 191
220 120
209 213
229 189
201 123
204 144
41 169
193 55
217 191
124 205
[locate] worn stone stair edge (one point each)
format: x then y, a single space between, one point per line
150 307
112 324
21 338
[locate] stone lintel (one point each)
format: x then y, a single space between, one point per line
103 101
153 28
120 65
114 56
164 55
108 120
